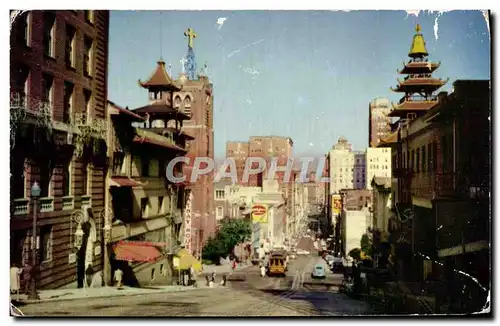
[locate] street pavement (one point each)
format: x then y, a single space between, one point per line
247 294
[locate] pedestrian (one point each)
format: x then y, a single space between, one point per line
118 277
262 270
192 275
27 274
234 265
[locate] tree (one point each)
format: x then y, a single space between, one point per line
366 244
355 254
232 232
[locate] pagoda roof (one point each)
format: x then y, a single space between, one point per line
417 107
418 48
173 130
160 79
413 67
161 109
144 136
416 84
387 141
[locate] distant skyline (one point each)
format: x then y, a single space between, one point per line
308 75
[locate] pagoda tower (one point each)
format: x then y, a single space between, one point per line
419 85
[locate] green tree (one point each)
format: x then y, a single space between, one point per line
366 244
355 254
232 232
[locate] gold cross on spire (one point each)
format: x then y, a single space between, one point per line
418 28
191 36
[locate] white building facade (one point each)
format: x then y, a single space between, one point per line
378 164
347 167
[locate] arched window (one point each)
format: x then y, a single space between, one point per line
187 101
177 101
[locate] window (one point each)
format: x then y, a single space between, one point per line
220 212
87 57
48 33
45 176
66 179
87 96
162 167
144 206
145 166
118 158
89 16
21 87
429 157
87 179
417 163
45 243
48 82
70 46
177 101
219 194
434 156
160 204
68 102
18 179
412 161
423 159
152 274
23 29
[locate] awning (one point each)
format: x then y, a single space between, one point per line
135 252
184 260
123 182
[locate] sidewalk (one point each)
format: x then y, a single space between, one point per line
102 292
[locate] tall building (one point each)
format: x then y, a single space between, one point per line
378 164
379 123
58 87
196 99
346 167
265 147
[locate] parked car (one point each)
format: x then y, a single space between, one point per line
318 271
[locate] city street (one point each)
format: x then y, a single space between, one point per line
246 295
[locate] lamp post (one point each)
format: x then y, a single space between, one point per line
35 194
106 266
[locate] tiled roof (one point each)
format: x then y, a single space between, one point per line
160 78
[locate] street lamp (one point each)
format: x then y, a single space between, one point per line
35 194
78 237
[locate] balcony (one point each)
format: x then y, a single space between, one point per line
87 200
417 98
21 206
68 203
47 204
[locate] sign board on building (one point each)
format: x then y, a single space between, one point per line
259 213
336 204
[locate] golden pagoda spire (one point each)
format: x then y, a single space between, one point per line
418 45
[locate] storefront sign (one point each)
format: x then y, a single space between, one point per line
259 213
336 204
187 223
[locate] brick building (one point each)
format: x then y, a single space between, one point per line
58 86
195 98
444 169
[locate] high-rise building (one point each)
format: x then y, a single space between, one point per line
379 123
378 164
347 169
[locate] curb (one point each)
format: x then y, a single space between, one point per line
120 294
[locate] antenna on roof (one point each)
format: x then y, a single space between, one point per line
161 34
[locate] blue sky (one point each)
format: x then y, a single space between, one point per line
305 74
